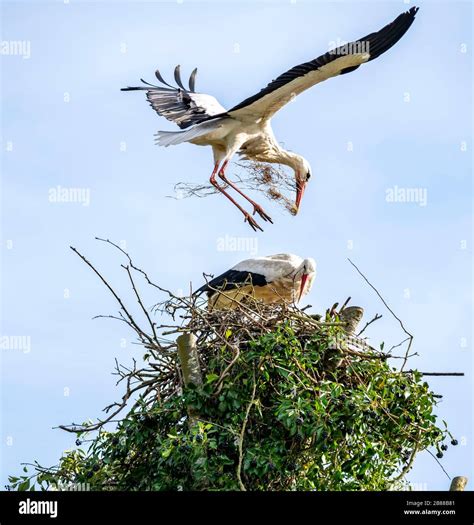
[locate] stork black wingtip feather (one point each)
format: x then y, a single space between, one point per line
376 44
160 79
177 77
192 81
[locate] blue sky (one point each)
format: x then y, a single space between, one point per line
65 123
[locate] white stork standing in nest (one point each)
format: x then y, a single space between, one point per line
245 129
281 278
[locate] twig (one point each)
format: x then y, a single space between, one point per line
346 302
270 180
410 336
410 462
112 291
137 295
398 345
437 461
376 318
434 373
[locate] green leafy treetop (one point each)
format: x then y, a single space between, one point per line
280 400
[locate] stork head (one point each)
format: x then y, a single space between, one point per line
302 175
302 171
305 273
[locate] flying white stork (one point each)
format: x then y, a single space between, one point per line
245 129
272 279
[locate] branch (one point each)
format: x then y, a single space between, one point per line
376 318
242 433
437 461
434 373
117 298
410 336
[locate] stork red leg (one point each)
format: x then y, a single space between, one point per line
248 218
256 207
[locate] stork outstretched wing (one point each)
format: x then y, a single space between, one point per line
180 105
338 61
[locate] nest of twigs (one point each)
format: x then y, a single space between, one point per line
251 319
159 376
271 180
260 397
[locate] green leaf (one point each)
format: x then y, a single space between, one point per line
210 378
166 453
23 486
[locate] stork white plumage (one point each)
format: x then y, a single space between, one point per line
281 278
245 129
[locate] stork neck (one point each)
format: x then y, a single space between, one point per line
289 159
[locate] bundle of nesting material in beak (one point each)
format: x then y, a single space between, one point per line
270 180
273 181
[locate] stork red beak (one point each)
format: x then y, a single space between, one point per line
300 187
304 278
